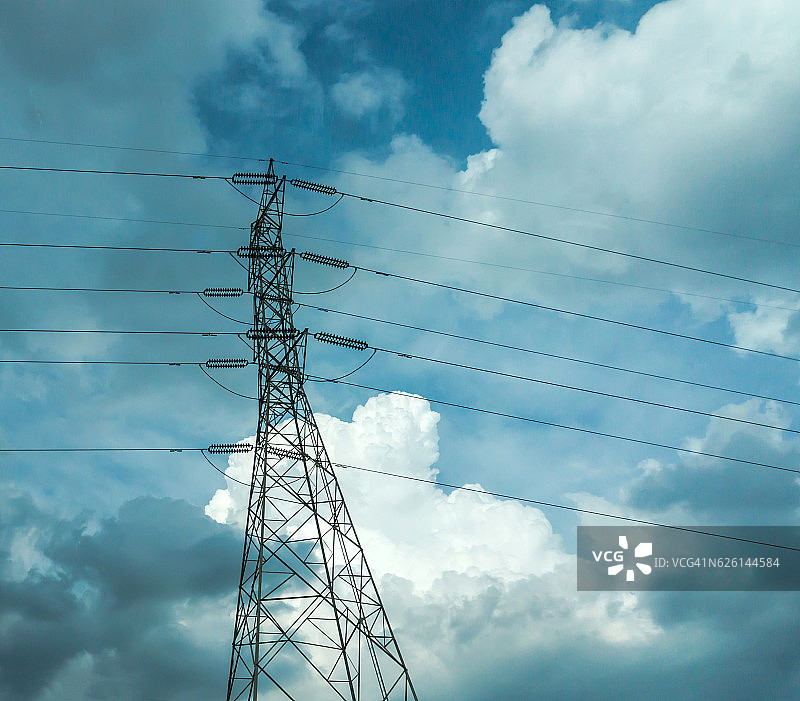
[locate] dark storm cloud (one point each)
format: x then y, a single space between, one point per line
156 549
740 493
113 593
721 492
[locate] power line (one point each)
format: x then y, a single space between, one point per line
553 505
223 473
101 450
503 266
555 356
113 248
32 361
579 210
135 290
560 385
527 500
581 315
414 253
35 288
578 244
414 479
552 424
114 172
121 219
126 331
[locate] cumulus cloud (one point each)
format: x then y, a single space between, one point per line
657 88
365 92
413 530
772 326
473 584
441 556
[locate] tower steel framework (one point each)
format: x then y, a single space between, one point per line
309 620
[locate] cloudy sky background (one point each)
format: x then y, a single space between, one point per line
118 570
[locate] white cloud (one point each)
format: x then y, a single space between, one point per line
693 73
767 328
480 576
364 93
413 530
689 119
720 433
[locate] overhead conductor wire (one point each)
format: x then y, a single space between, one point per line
553 424
330 190
569 312
336 340
502 266
522 349
243 448
372 176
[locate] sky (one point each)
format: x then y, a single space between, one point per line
663 130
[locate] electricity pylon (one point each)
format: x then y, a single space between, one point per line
309 621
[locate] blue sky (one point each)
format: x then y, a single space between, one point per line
118 570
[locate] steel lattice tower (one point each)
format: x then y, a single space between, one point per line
309 621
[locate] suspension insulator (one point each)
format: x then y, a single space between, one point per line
278 300
254 251
283 453
324 260
344 341
227 363
271 334
253 179
314 187
226 448
223 292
